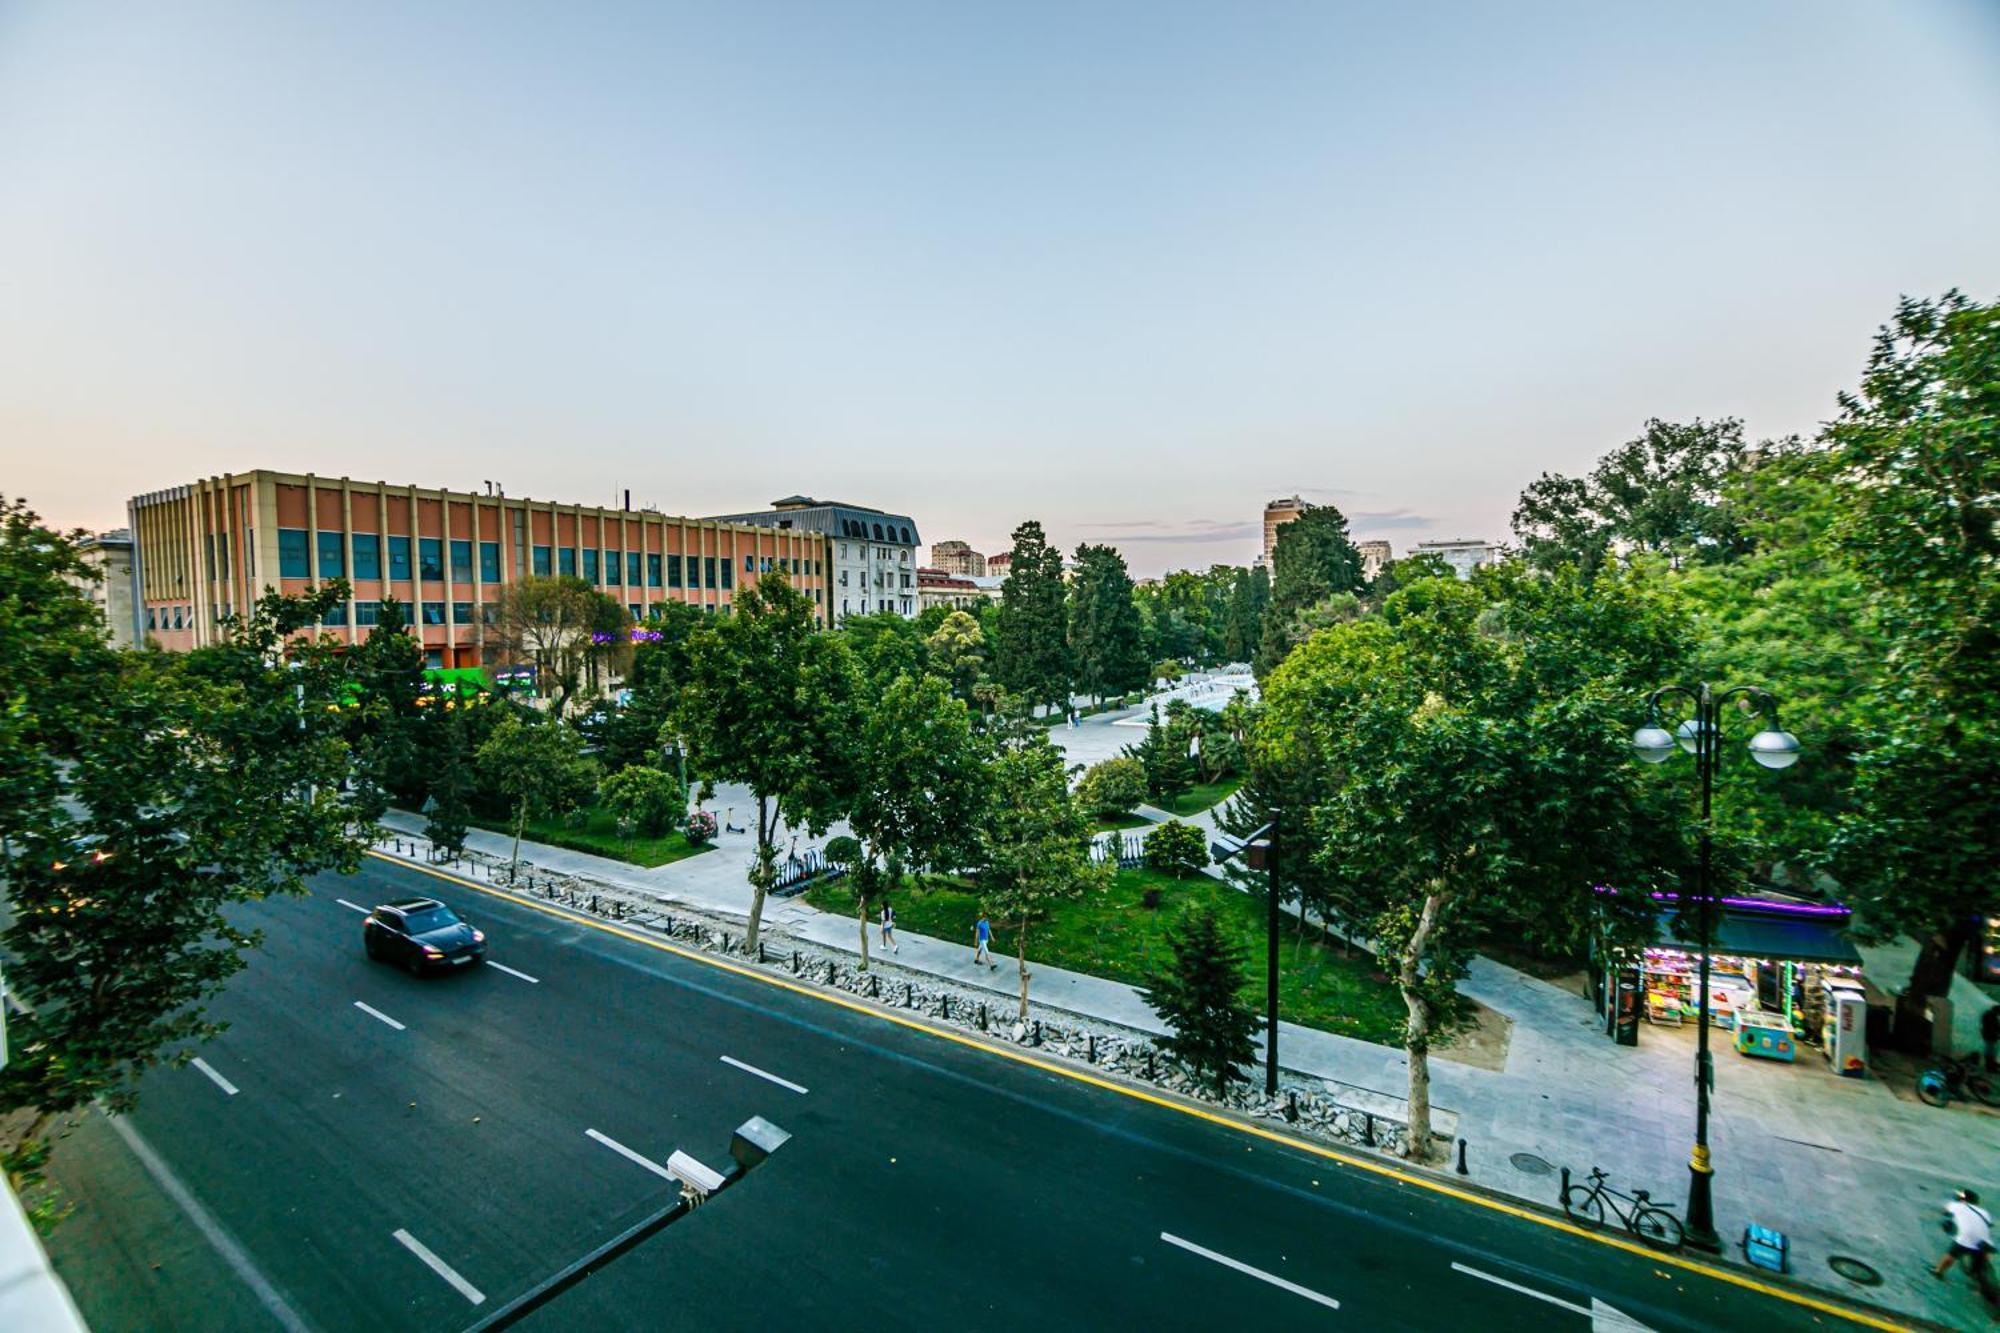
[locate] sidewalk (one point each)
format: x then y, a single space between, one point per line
1844 1166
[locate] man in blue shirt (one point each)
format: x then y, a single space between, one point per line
982 936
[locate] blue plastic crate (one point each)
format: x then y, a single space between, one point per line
1765 1248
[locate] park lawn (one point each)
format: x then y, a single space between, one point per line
599 834
1202 795
1114 935
1118 823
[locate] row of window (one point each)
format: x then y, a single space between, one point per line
854 527
298 560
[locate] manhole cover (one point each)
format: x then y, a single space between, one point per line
1531 1164
1855 1271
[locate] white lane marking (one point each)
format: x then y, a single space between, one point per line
1571 1306
752 1069
373 1012
1258 1273
624 1151
213 1077
440 1267
357 907
532 981
211 1230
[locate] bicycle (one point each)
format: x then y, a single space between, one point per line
1649 1221
1954 1077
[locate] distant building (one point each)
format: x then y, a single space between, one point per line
935 587
1463 554
1374 555
998 565
110 554
1276 514
956 557
871 555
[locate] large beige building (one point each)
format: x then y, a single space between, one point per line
1276 514
211 547
1374 555
956 557
110 554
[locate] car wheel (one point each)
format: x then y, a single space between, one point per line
374 954
413 967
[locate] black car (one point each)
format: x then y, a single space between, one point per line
421 934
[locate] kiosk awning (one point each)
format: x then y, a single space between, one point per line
1775 938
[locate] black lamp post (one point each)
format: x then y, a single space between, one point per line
1701 736
1262 849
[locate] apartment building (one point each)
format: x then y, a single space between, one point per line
1374 556
110 555
1463 554
210 547
956 557
871 556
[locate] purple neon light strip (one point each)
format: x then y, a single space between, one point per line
1753 904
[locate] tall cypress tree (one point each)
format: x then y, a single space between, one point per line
1031 655
1105 636
1199 997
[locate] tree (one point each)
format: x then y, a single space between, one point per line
1462 750
1314 558
646 798
920 785
1243 632
1177 849
388 726
1104 630
451 785
1163 755
1035 843
143 794
1662 492
1113 787
1031 653
956 653
639 731
1199 996
1916 454
540 768
563 627
770 702
885 645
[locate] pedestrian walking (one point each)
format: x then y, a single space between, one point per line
982 938
889 927
1989 1035
1971 1229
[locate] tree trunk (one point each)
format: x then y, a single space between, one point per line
1021 953
1930 976
520 822
1417 1033
861 911
760 879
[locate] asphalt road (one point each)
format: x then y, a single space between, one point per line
471 1117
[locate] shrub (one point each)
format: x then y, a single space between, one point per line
1112 787
1176 849
644 797
700 827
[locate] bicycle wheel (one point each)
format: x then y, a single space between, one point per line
1983 1087
1584 1204
1933 1087
1658 1228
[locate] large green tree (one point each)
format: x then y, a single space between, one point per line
1035 843
1031 655
770 702
539 767
955 651
1105 635
142 795
1314 559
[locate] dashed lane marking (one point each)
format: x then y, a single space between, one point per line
532 981
352 907
627 1153
440 1267
763 1074
373 1012
213 1077
1258 1273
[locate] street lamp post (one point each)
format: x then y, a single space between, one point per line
1261 852
1701 736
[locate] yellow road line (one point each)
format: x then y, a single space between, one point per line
1744 1280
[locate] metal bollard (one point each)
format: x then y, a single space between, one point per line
1292 1106
1462 1169
1038 1033
1149 1062
1565 1184
760 951
795 962
982 1018
874 987
1368 1129
944 1008
1090 1048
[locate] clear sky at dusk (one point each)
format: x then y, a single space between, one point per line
1130 269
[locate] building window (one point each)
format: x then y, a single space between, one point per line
434 659
332 560
335 614
462 612
177 617
750 565
430 559
633 576
541 565
294 557
708 570
151 619
728 573
489 613
652 571
461 561
590 566
399 558
843 556
489 562
673 571
566 562
614 568
366 613
367 558
434 613
632 608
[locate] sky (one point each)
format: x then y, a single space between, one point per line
1128 269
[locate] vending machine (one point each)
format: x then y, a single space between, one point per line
1844 1030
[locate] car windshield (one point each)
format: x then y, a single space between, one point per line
425 920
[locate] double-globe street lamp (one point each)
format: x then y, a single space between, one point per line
1701 736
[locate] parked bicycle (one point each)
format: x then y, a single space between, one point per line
1649 1221
1958 1077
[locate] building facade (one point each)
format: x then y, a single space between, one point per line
1374 555
110 554
1463 554
997 566
956 557
1276 514
871 556
935 587
211 547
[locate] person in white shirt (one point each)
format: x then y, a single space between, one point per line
1971 1238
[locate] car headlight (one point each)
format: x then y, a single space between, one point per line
479 937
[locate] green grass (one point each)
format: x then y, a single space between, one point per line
599 834
1114 935
1116 823
1202 795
